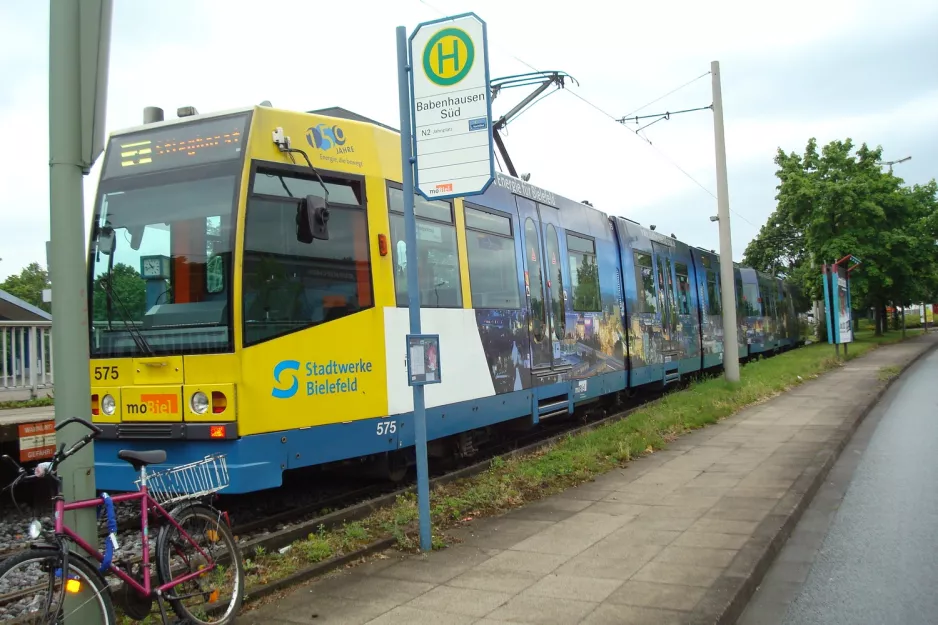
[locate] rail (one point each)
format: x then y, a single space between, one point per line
25 358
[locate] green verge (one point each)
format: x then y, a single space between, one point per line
27 403
574 460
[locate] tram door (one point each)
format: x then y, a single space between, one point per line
666 300
543 283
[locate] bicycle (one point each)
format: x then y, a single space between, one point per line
85 587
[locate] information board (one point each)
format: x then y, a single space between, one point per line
423 359
451 107
37 440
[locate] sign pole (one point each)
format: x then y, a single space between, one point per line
413 290
446 152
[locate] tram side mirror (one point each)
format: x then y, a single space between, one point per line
312 219
106 240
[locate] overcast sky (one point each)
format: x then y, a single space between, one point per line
826 68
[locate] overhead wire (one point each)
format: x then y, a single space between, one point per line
616 119
686 84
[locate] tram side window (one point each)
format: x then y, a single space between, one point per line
289 285
713 294
437 259
493 268
683 288
751 303
584 274
645 283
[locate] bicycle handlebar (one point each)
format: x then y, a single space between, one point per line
91 426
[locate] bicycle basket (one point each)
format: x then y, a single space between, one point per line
188 481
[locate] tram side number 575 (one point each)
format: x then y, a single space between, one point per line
387 427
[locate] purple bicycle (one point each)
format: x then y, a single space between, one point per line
198 564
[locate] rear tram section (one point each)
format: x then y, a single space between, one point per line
217 329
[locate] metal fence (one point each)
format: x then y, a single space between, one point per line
25 356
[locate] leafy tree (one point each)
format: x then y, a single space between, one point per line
836 202
28 285
130 290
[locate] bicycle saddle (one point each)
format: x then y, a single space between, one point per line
139 459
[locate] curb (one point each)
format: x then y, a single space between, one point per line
728 597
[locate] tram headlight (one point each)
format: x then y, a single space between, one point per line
199 403
34 529
108 405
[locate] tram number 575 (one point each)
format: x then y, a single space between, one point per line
387 427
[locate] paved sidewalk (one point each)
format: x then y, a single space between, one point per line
681 536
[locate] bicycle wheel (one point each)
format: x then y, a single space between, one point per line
215 596
31 589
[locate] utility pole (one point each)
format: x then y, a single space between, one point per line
79 40
727 283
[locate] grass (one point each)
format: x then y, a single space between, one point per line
887 373
28 403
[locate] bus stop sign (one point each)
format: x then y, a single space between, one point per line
451 107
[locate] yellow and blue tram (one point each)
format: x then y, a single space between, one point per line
218 325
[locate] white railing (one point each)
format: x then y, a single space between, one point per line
25 357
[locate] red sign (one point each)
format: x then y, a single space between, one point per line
37 440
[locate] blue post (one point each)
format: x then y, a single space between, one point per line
413 287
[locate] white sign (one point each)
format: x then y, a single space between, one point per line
450 103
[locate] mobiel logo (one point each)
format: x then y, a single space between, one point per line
153 403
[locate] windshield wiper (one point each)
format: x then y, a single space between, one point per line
132 329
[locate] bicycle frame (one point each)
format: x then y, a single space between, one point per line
146 504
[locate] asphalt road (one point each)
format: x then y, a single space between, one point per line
866 551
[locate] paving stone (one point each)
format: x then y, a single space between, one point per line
650 595
724 526
591 565
575 587
309 607
623 547
406 615
608 614
466 601
449 563
494 580
684 574
558 540
378 589
612 508
747 503
678 524
553 510
761 492
711 540
697 556
718 480
738 514
530 608
523 562
674 512
510 533
682 498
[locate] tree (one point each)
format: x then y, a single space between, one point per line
837 202
130 290
28 285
